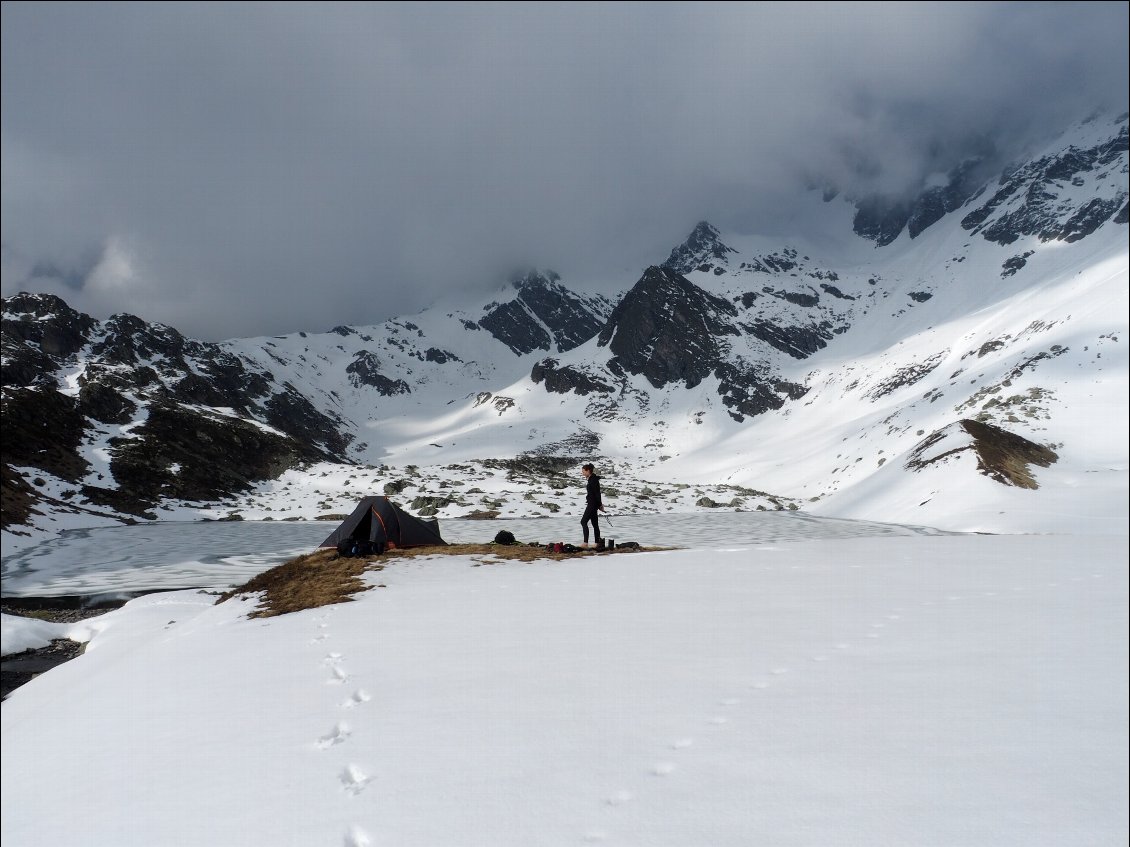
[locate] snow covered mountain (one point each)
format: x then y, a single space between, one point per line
956 360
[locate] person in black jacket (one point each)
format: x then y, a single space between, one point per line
593 504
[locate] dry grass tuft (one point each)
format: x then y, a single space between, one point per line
316 579
1005 456
323 577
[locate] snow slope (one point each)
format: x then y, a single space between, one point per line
961 690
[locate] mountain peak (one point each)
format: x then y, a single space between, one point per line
544 314
534 279
668 329
702 251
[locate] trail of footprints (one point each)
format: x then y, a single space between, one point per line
352 777
668 764
664 767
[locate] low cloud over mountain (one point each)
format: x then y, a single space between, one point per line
938 371
310 167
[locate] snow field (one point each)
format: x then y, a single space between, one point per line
899 690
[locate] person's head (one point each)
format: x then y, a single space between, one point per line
587 469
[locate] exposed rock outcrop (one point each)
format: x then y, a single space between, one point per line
668 329
544 315
702 251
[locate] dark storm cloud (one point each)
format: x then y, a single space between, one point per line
241 169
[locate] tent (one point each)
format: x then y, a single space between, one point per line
379 520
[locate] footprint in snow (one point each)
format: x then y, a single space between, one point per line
729 701
718 720
682 743
779 671
356 699
354 779
663 768
357 837
335 736
338 676
620 798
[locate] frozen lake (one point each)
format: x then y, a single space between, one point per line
121 561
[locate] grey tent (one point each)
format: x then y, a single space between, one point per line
382 522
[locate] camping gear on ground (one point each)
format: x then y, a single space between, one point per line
379 522
610 544
629 545
600 546
360 547
505 536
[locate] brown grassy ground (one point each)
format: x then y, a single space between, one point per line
1005 456
323 577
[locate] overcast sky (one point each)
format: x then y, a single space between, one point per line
238 170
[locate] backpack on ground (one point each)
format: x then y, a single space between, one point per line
353 547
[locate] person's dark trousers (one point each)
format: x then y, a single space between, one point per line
591 515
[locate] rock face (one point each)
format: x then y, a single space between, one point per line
702 251
1062 196
800 342
748 390
187 455
668 329
883 219
672 332
201 422
562 380
1041 197
545 315
880 219
934 203
365 369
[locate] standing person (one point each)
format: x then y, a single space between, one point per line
593 504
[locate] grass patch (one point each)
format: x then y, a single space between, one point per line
1005 456
323 577
307 582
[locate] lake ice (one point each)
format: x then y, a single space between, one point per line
126 560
